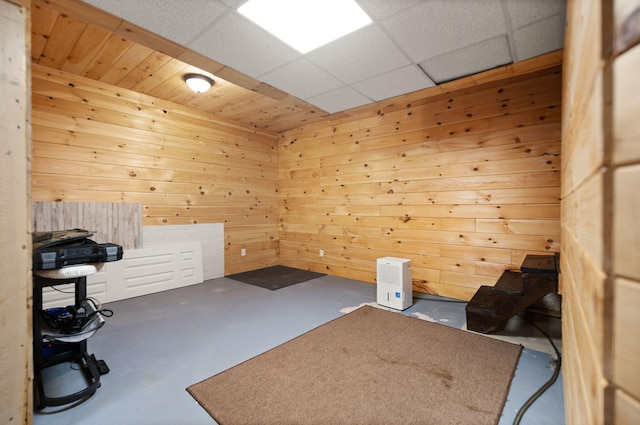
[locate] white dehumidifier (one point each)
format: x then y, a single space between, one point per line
394 283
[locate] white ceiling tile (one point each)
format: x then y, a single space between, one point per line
468 60
159 16
360 55
394 83
448 38
239 44
302 79
539 38
524 12
380 9
438 26
339 100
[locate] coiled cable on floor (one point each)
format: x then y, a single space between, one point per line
547 385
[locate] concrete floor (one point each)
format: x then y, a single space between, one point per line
157 345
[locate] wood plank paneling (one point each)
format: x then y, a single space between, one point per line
16 334
79 38
622 210
626 373
625 118
600 178
627 409
452 182
95 142
582 255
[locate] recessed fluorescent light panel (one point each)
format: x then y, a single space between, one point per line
306 24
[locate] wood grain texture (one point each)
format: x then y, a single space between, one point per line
16 365
84 40
627 409
600 199
626 373
622 210
464 178
97 143
582 181
461 174
80 39
626 127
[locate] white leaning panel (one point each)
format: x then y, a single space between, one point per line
210 236
140 272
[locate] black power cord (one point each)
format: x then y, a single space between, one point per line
548 384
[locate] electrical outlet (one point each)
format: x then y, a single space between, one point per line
243 252
322 252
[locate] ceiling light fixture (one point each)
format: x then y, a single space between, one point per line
198 83
306 25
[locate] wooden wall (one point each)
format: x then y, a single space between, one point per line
623 211
94 142
600 233
463 183
582 227
16 370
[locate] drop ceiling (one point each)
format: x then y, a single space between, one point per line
413 50
409 46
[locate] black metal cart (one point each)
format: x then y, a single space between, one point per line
60 259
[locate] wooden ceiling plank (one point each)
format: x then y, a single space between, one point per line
64 35
130 57
85 49
108 54
176 90
148 66
230 105
126 64
146 38
42 21
257 104
258 112
212 102
164 81
157 84
270 91
237 78
216 98
302 105
294 120
200 61
83 12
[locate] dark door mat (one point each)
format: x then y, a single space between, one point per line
275 277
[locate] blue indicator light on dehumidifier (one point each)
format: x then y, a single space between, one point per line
398 295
